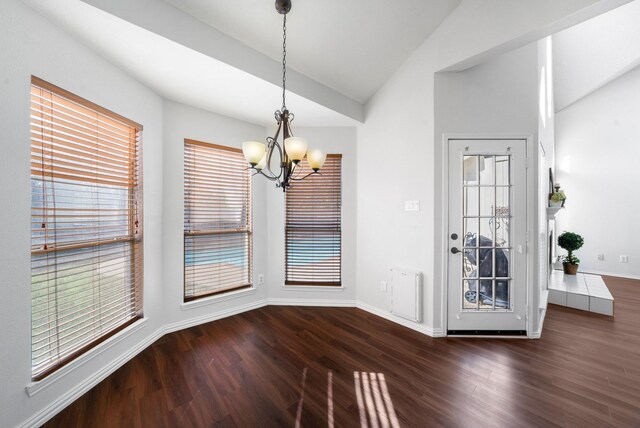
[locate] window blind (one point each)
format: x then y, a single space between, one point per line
217 220
86 225
313 226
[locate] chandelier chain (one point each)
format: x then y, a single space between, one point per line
284 61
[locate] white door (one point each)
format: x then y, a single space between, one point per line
487 263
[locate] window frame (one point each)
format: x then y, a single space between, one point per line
134 216
304 170
249 223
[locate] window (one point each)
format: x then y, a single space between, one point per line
313 226
86 226
217 220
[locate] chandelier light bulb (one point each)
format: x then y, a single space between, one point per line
296 148
263 162
254 151
316 159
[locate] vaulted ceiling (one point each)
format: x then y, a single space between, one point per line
595 52
351 46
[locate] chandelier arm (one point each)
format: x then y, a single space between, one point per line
271 175
272 145
295 172
302 178
265 175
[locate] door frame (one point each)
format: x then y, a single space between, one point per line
442 244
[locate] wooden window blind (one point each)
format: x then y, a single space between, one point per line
86 225
217 220
313 226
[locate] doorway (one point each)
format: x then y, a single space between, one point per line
487 228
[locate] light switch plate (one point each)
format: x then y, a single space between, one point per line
412 205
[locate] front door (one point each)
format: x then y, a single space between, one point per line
487 263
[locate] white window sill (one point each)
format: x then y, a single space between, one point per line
36 386
205 301
313 288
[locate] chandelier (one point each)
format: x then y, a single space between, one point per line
294 149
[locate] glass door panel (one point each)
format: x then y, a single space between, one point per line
486 282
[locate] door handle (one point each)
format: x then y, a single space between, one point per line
454 250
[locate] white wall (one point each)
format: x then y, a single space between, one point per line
31 45
597 152
331 140
498 97
180 122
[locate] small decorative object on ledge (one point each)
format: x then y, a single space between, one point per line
570 242
557 198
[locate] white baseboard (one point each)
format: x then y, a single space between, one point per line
398 320
537 334
191 322
313 302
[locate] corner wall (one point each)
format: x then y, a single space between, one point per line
597 152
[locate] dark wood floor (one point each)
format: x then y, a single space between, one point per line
288 366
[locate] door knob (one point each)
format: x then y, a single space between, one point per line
454 250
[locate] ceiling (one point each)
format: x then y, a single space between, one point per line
595 52
351 46
224 56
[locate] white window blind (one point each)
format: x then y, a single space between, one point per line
86 225
313 218
217 220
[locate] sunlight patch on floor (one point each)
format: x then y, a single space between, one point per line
374 402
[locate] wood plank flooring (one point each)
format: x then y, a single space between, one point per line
343 367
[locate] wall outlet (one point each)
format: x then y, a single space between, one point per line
383 285
261 278
600 257
624 259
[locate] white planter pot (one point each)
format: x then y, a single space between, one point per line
555 204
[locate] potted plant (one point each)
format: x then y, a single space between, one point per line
570 242
557 198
